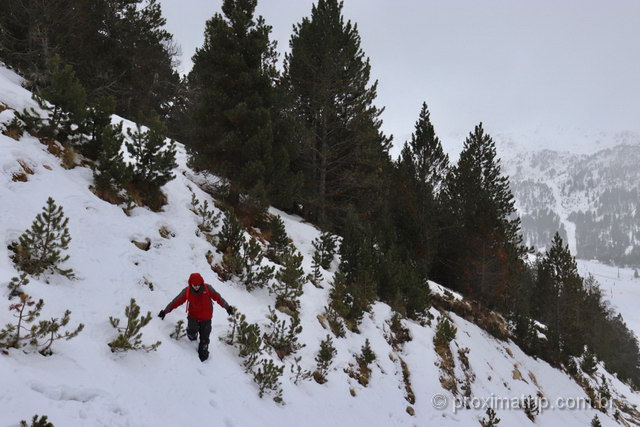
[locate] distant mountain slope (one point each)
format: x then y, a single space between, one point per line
592 199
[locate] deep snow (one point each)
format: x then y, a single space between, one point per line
83 383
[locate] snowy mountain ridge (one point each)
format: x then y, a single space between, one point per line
83 383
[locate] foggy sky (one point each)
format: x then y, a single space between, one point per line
515 65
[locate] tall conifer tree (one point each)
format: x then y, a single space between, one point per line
342 148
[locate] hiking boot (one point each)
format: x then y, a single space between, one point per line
192 337
203 351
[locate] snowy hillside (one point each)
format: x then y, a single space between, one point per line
84 383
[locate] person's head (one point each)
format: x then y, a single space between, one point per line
196 280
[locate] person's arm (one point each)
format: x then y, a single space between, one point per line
177 301
218 298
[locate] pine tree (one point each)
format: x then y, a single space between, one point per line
491 420
97 118
130 336
325 249
279 241
48 331
289 281
282 337
416 211
267 376
595 422
483 248
338 126
63 99
110 172
25 312
40 249
323 359
37 421
207 218
154 159
234 103
16 284
231 235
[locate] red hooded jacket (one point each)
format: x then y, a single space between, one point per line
200 302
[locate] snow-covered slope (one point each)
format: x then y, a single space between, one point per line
591 197
83 383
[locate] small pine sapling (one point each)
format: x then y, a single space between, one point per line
363 360
267 376
154 158
492 420
298 372
129 337
282 337
335 321
323 360
279 241
325 249
289 281
37 421
530 408
249 342
26 311
39 249
207 218
367 356
14 129
589 362
47 331
316 276
16 284
595 422
110 172
179 331
397 334
445 332
231 236
253 274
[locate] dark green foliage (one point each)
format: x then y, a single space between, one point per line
231 235
279 241
41 335
179 331
37 421
40 249
336 323
15 285
282 337
289 280
398 334
337 124
323 359
588 364
97 119
267 376
154 159
367 356
14 129
207 218
491 420
249 341
325 249
483 247
595 422
118 48
235 107
421 170
530 408
25 312
110 172
247 265
48 331
63 100
445 332
130 336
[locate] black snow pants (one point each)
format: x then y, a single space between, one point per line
194 328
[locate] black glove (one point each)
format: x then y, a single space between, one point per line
162 314
231 310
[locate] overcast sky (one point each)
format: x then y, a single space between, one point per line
516 65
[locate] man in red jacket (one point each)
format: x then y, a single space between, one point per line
199 297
